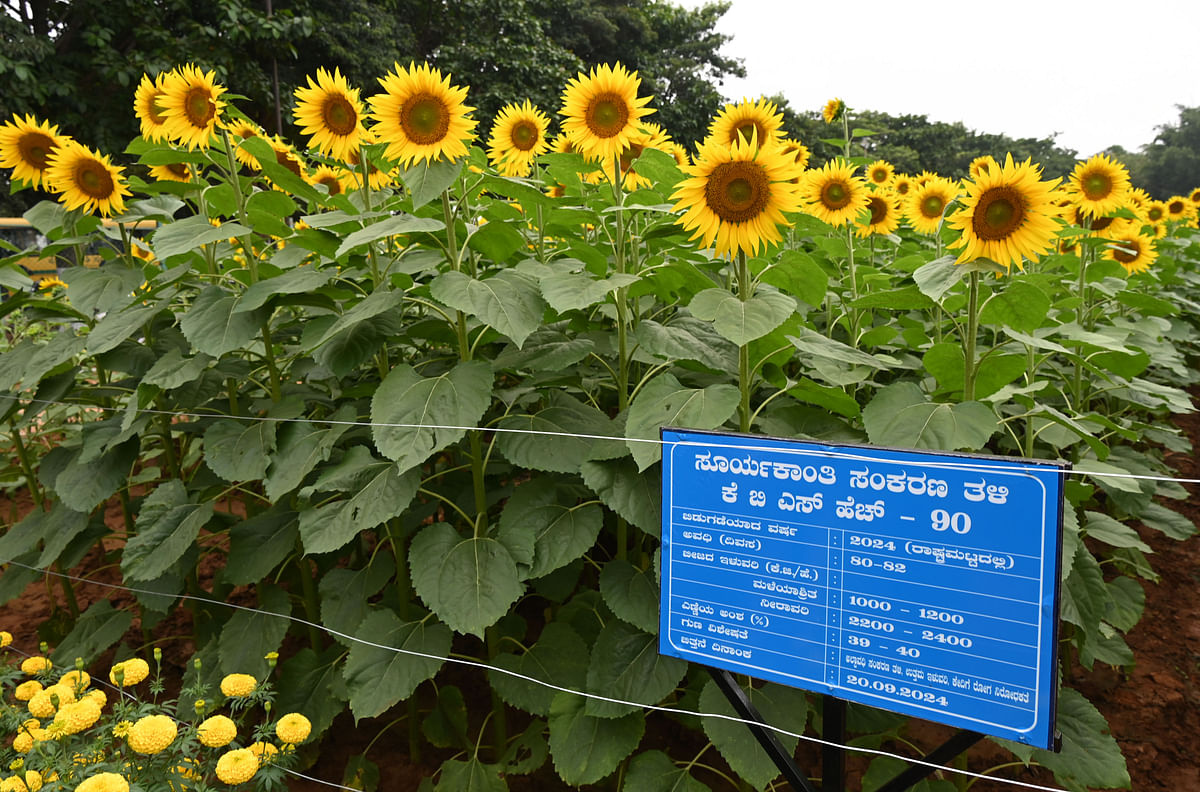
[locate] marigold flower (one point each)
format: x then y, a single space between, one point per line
152 734
122 728
27 690
5 638
30 781
77 680
36 664
97 695
130 672
40 705
79 715
293 728
264 751
217 731
238 685
104 782
237 767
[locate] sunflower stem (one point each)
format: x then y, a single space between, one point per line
622 329
1081 318
851 312
26 467
1030 373
366 196
745 292
970 337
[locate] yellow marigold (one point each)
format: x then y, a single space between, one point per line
30 781
152 734
77 680
104 782
237 767
97 695
264 751
5 638
122 728
79 715
293 728
27 690
36 664
217 731
238 685
40 705
131 672
25 740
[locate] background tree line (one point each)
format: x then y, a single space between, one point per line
77 62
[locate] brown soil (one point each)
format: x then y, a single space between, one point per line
1153 709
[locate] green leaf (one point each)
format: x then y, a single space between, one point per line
586 749
664 401
554 448
392 226
183 236
1090 756
780 706
312 685
468 582
901 416
381 492
946 363
239 450
938 277
497 241
1019 305
346 595
470 776
884 768
214 326
1126 602
625 664
64 526
815 345
258 545
166 527
1085 598
25 535
114 328
428 179
549 534
560 657
1167 521
1100 526
377 302
250 634
97 629
104 289
454 400
293 281
1110 475
628 492
544 350
653 771
301 447
686 338
446 724
278 173
631 594
571 291
795 272
905 298
379 676
83 486
741 322
173 369
508 301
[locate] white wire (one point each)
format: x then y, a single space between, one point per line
550 685
826 452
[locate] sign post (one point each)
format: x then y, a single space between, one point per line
922 583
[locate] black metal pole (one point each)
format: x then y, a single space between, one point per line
766 738
940 755
833 759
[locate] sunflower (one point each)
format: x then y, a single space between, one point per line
240 129
982 166
329 111
748 120
680 153
562 144
735 196
1179 208
518 138
1130 248
26 146
421 116
175 171
1194 196
1137 199
603 111
884 217
86 179
833 193
926 203
1006 215
190 106
147 106
376 178
902 184
286 156
798 151
880 173
1099 185
649 136
327 176
833 110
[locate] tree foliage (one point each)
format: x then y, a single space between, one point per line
1170 164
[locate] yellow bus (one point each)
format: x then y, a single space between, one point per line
20 233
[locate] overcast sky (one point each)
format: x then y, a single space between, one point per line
1096 73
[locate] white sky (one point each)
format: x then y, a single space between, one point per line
1097 73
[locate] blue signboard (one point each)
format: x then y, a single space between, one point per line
922 583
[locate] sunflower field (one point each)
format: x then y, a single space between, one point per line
392 392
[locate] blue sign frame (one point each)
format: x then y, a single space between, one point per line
922 583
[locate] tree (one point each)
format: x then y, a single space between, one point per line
1170 165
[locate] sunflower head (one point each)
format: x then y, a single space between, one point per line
902 184
175 171
798 152
86 180
421 116
328 110
1130 248
147 106
191 106
735 196
982 166
882 215
833 193
1156 212
1179 208
833 110
240 129
327 176
1099 185
602 110
26 146
746 120
1006 216
927 203
648 136
880 173
518 138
